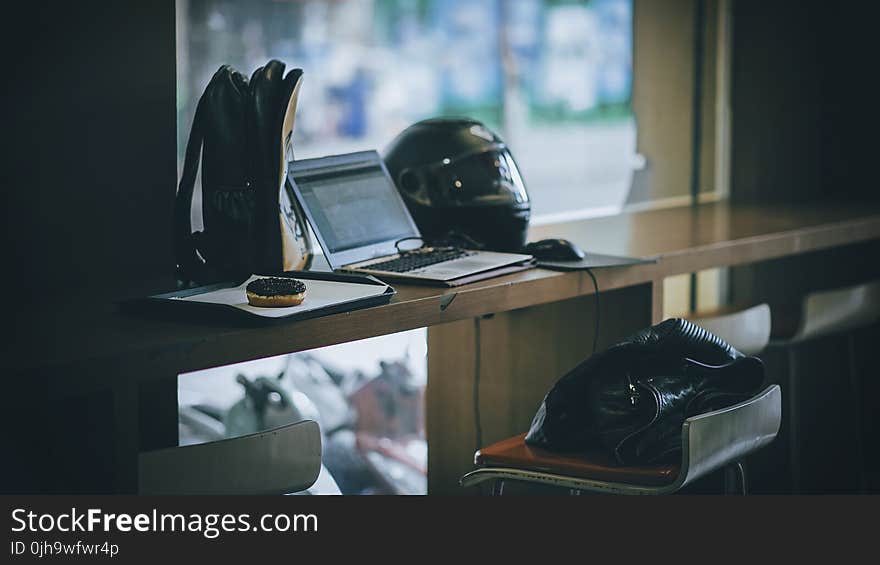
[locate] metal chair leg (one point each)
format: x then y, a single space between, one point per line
856 392
794 445
743 478
497 487
735 481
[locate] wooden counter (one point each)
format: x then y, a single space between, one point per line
515 334
684 240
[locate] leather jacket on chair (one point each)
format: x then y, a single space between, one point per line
632 399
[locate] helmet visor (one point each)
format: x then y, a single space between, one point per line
485 178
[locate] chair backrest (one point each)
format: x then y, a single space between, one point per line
747 330
839 310
278 461
715 439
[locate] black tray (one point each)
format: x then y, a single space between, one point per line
175 303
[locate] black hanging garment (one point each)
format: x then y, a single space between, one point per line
632 399
242 131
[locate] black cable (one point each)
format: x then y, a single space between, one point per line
596 329
402 239
478 426
458 239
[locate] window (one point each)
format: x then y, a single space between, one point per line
553 77
367 396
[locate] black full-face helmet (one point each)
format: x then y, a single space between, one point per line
460 183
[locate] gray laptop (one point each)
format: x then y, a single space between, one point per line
364 226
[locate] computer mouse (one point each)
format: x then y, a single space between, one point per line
554 250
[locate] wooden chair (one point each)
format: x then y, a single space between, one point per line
278 461
711 441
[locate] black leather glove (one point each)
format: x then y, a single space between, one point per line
239 133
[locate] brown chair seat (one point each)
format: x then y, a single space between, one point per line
514 452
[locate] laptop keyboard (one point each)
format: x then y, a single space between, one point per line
419 259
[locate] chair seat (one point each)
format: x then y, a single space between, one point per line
513 452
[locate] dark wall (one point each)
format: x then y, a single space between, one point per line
804 122
89 154
804 129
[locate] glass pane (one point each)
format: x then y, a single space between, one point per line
368 398
553 77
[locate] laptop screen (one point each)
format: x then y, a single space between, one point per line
352 203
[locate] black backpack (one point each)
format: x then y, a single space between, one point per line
242 130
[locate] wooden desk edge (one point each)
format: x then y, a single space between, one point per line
520 290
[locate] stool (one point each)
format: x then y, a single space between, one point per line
820 357
747 330
710 441
278 461
836 311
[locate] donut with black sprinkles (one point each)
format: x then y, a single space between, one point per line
275 292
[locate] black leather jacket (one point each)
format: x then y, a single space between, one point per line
632 398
